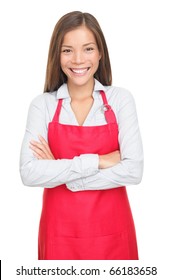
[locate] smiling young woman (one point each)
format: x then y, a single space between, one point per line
82 145
80 58
79 61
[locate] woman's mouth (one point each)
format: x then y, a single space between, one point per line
80 71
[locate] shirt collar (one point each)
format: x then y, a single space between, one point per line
63 92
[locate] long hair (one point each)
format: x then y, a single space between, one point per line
55 77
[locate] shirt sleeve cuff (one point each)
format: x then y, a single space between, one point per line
87 166
89 163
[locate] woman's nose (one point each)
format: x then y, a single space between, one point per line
78 58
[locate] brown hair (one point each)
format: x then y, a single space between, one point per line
54 75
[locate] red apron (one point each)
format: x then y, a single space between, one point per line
85 225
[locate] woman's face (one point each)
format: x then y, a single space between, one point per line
79 56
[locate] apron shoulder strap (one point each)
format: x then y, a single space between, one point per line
109 113
57 113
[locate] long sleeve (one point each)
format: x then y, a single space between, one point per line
130 169
49 173
82 173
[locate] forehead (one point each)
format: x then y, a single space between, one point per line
79 35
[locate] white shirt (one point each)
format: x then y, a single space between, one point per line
82 172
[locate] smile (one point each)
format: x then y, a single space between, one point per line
80 71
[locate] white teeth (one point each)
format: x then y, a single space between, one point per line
79 71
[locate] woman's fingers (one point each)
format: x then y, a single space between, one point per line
41 149
45 144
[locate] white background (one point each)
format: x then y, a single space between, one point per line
138 34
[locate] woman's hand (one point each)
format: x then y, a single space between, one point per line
109 160
41 150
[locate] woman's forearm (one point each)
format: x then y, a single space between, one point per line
109 160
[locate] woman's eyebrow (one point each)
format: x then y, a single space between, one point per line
68 46
91 43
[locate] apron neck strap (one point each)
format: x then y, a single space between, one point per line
109 113
57 113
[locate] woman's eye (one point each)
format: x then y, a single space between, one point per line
89 49
66 50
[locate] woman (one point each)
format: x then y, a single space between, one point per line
82 145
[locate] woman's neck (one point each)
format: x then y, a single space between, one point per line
80 92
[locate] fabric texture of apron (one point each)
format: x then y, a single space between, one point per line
85 225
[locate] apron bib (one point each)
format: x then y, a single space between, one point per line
85 225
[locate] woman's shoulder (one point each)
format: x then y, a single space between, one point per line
118 93
119 97
45 98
